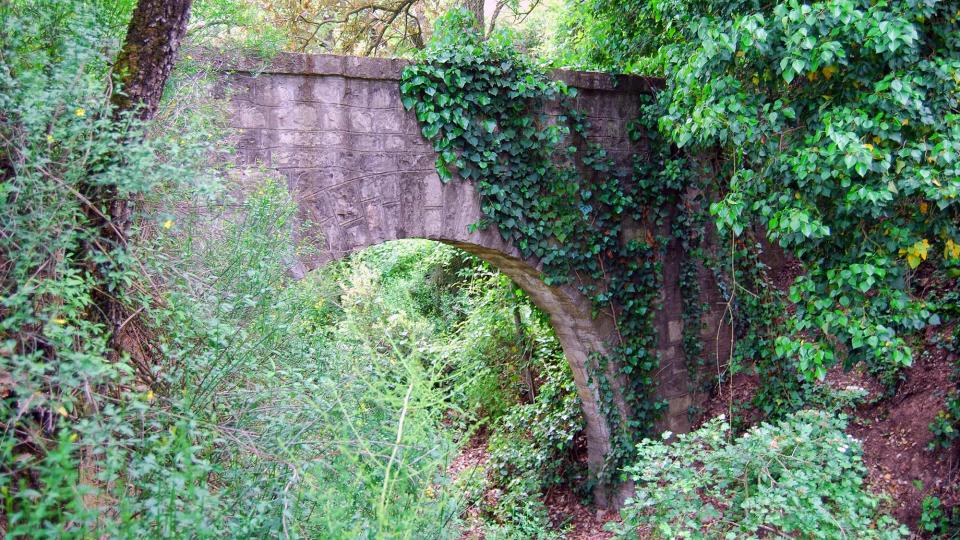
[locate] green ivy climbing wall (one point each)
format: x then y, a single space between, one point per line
497 120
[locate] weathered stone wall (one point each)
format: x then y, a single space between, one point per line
362 174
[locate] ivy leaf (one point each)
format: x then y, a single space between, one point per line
442 170
430 131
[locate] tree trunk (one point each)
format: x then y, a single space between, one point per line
150 48
475 7
149 51
525 354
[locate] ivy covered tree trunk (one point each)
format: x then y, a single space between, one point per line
150 48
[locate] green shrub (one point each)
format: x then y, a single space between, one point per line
938 522
946 424
530 450
83 453
802 476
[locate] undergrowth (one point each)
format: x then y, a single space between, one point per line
800 476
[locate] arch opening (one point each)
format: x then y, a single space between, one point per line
582 335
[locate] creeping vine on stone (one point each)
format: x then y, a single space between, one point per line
496 119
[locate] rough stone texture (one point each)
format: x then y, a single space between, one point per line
362 174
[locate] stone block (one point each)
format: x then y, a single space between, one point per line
247 116
432 190
393 121
365 142
376 225
675 331
360 121
433 223
331 118
355 233
327 90
397 143
679 405
297 116
389 187
346 202
382 95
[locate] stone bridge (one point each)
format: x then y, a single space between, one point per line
362 174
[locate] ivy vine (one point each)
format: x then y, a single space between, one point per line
496 119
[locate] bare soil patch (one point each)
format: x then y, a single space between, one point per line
895 434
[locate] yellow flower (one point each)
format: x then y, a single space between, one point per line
80 112
167 224
876 139
73 437
150 395
58 320
49 138
755 80
829 71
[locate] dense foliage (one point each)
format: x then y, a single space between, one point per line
801 476
72 423
837 124
251 405
257 407
832 128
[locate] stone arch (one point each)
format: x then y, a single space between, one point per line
427 208
362 174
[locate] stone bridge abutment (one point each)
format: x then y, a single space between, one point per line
362 174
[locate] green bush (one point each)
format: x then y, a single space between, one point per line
802 476
939 523
242 420
530 451
83 452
